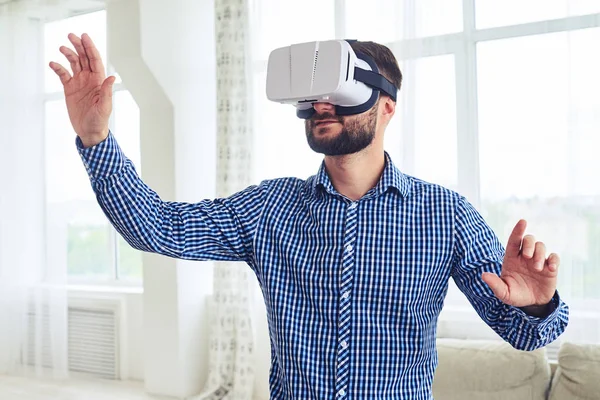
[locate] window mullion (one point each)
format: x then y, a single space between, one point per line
115 253
409 145
340 19
467 110
114 246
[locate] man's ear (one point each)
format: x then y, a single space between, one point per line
387 107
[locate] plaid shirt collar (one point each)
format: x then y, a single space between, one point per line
391 178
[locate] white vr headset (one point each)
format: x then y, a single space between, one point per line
328 71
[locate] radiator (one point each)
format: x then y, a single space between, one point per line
93 338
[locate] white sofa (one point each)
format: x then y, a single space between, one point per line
494 370
578 374
490 370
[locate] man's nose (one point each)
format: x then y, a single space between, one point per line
322 108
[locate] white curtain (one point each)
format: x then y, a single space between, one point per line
33 301
231 364
499 102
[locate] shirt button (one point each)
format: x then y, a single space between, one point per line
342 392
344 344
352 206
349 248
346 295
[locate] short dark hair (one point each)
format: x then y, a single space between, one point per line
384 58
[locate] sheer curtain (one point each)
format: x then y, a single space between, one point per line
33 298
231 364
499 102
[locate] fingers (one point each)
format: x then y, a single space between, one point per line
497 285
73 59
553 262
514 241
539 256
62 73
107 85
534 252
83 58
92 53
528 246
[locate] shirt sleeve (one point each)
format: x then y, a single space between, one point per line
221 229
478 250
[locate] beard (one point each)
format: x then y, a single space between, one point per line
356 134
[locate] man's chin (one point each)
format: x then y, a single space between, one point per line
327 148
334 146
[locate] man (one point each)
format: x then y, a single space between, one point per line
354 262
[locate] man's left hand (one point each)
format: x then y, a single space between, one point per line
528 278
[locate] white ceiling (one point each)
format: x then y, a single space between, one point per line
48 9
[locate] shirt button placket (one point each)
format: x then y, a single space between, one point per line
345 314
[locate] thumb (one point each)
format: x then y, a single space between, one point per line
497 285
107 86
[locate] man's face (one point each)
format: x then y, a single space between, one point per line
335 135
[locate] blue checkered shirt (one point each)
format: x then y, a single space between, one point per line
353 289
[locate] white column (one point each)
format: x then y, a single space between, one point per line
165 53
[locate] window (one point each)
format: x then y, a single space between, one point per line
506 116
493 13
386 21
277 32
280 145
551 126
84 239
430 91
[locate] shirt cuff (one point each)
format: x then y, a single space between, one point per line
556 306
102 160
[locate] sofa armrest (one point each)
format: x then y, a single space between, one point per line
491 370
578 374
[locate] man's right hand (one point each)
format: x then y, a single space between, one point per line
88 92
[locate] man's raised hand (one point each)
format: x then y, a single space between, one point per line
88 92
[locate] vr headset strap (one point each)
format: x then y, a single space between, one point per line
376 81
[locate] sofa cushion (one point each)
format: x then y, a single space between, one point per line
489 369
578 374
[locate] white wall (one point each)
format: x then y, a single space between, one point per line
135 333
